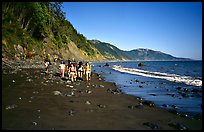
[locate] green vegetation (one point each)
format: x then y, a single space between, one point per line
29 24
113 53
109 51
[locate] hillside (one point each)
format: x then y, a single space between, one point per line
34 30
113 53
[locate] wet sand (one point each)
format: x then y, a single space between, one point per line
29 103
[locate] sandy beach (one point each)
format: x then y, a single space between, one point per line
32 100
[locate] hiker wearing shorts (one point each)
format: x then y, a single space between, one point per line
73 72
80 70
62 68
88 71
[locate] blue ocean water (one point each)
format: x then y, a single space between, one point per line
175 85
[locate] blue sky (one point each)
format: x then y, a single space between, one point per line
174 28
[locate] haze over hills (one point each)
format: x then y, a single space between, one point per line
111 52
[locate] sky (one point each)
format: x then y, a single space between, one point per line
173 28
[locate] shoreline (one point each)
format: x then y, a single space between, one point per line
123 61
95 105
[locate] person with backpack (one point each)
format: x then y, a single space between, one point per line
80 70
73 72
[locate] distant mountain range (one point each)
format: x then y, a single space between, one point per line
111 52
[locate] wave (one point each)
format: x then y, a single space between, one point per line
170 77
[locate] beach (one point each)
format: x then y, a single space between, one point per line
33 100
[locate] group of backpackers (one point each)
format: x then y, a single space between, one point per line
75 70
72 69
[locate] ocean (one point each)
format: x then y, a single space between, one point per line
172 85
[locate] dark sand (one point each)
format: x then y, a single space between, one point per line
36 106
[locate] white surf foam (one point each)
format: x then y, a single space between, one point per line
171 77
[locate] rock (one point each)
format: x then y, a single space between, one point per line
29 80
186 90
173 95
137 80
71 112
154 126
153 94
87 102
72 94
185 95
180 88
141 64
101 86
149 103
101 106
35 123
106 64
178 126
165 105
140 105
131 107
57 93
195 91
88 91
35 92
174 106
69 86
9 107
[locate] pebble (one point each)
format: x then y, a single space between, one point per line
35 92
57 93
68 81
88 91
178 126
29 80
72 94
71 112
87 102
137 80
165 105
11 107
154 126
35 123
101 86
101 106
